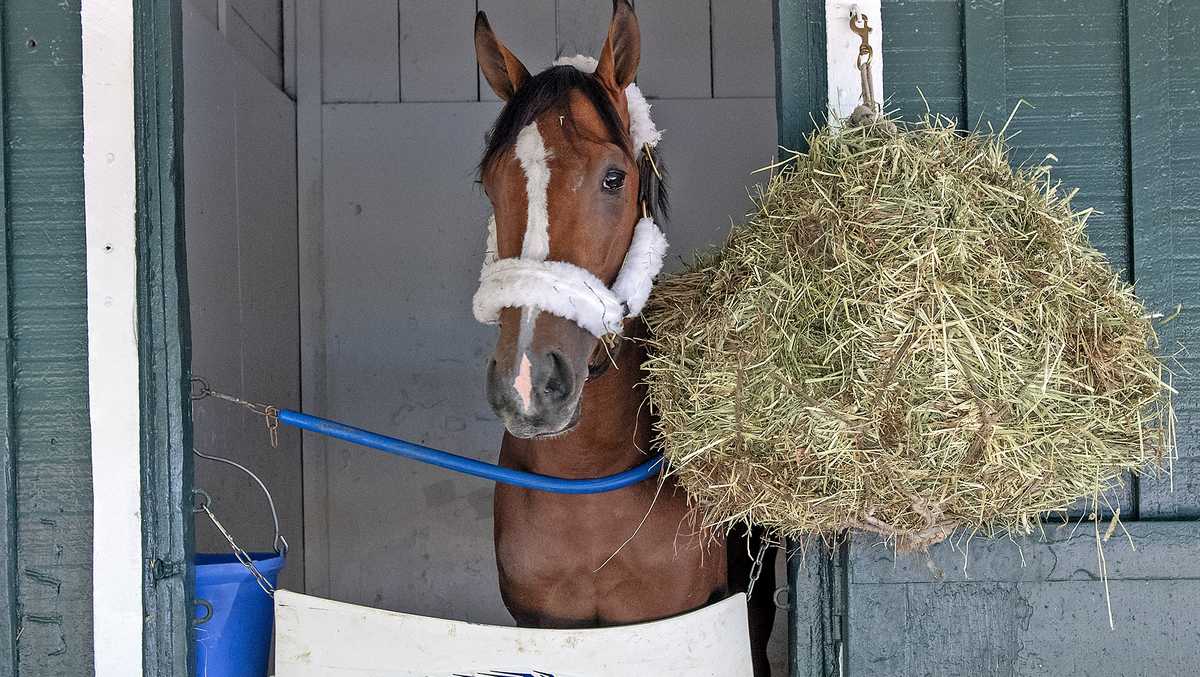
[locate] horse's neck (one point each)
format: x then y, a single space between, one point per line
613 432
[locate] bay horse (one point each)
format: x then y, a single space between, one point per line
576 185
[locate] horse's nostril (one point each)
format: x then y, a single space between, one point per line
558 382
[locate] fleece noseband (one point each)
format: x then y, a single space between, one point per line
559 287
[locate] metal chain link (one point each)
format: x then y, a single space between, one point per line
201 390
756 568
242 556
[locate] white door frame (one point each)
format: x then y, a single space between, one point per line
110 194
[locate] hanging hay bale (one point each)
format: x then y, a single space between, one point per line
908 338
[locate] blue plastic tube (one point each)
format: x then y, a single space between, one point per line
470 466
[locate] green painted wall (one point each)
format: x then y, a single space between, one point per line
1111 88
47 482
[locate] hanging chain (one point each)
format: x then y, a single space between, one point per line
242 555
756 567
200 390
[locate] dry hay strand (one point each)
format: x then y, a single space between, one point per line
908 337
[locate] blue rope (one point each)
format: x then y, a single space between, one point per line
470 466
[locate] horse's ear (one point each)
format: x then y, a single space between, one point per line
504 72
623 49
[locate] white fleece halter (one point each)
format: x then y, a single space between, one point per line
558 287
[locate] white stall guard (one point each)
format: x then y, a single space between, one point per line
315 636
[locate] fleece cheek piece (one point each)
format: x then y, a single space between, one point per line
569 291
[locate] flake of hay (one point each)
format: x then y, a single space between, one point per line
909 337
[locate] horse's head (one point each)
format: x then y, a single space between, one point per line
568 170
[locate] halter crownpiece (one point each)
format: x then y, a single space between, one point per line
559 287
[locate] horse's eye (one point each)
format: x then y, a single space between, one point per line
613 180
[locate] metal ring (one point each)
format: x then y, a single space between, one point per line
208 612
205 500
204 391
785 604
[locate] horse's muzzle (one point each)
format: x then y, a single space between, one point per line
536 397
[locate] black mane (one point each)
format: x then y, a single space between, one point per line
550 90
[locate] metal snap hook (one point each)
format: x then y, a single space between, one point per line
863 31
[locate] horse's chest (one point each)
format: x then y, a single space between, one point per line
563 556
547 540
600 559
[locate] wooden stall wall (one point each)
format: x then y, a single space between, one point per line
392 115
252 28
1108 88
241 225
45 453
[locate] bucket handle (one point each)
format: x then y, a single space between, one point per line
280 543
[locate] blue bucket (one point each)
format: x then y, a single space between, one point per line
234 616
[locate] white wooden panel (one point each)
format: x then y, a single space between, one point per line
437 51
743 48
110 194
676 49
360 50
844 79
527 28
320 637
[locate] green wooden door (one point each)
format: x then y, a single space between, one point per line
45 462
46 492
1112 92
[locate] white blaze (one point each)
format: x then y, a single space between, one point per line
524 382
531 153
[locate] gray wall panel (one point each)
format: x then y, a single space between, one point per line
437 52
360 51
209 135
582 26
253 47
743 52
710 148
405 236
265 17
676 49
209 9
267 259
240 179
